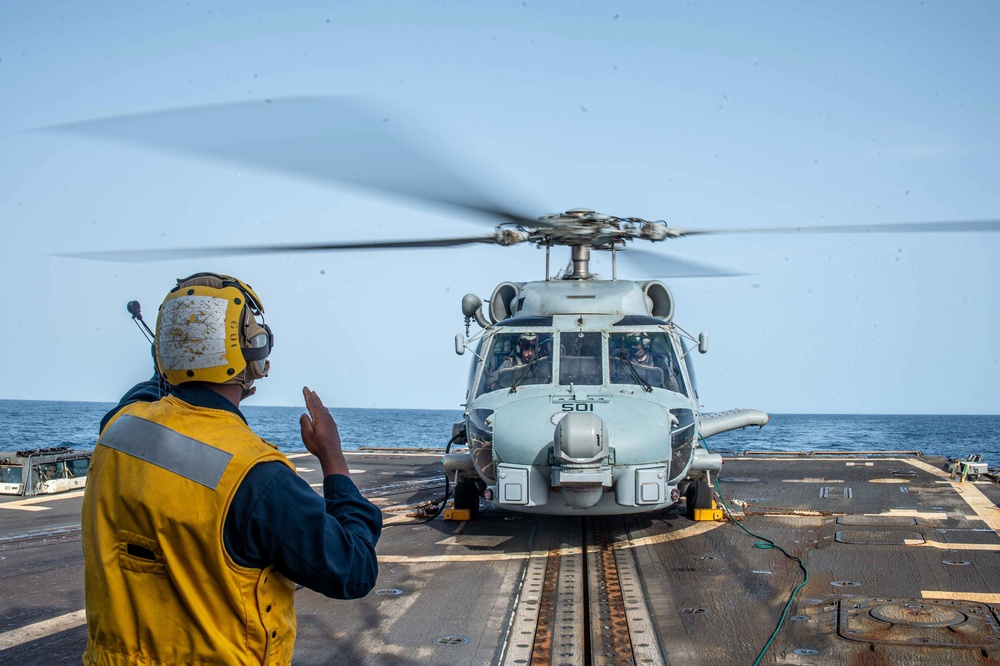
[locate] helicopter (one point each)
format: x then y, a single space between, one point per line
581 397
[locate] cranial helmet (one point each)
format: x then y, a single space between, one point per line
207 331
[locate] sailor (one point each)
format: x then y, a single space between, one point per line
196 530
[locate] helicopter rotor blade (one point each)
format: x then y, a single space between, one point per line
904 227
662 266
173 254
343 140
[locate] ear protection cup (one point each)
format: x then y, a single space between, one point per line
259 341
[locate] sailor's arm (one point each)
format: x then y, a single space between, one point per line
324 543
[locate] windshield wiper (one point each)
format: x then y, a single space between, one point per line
635 373
524 374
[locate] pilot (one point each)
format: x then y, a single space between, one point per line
527 348
636 346
524 351
195 530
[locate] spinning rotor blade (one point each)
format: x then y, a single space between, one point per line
662 266
907 227
329 139
171 254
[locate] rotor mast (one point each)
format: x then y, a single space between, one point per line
580 256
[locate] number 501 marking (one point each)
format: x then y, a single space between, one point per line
578 407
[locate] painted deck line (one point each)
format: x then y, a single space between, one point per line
981 597
26 508
42 629
475 541
29 504
974 497
958 546
693 530
912 513
676 535
476 557
440 559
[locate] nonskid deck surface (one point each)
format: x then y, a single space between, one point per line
903 568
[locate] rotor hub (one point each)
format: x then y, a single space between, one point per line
582 226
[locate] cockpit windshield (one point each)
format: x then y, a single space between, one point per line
644 358
517 359
580 358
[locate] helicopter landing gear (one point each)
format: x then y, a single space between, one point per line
465 506
700 503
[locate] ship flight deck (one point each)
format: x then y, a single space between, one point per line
902 562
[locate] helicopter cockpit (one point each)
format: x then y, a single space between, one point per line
646 359
643 358
517 359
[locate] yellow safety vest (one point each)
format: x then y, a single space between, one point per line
160 586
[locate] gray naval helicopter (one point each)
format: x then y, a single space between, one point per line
581 397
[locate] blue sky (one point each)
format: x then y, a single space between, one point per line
721 114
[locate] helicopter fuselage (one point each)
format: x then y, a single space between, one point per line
581 401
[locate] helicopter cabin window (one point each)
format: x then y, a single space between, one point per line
580 358
517 359
646 359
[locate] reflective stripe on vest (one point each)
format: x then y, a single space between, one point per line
167 449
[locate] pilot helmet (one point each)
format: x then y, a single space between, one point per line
527 341
210 328
635 341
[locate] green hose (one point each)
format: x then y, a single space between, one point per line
765 544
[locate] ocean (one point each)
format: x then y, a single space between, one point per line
26 424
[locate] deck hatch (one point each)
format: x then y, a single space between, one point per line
880 521
836 492
918 623
880 537
983 536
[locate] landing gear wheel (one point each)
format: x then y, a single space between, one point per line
467 497
698 496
